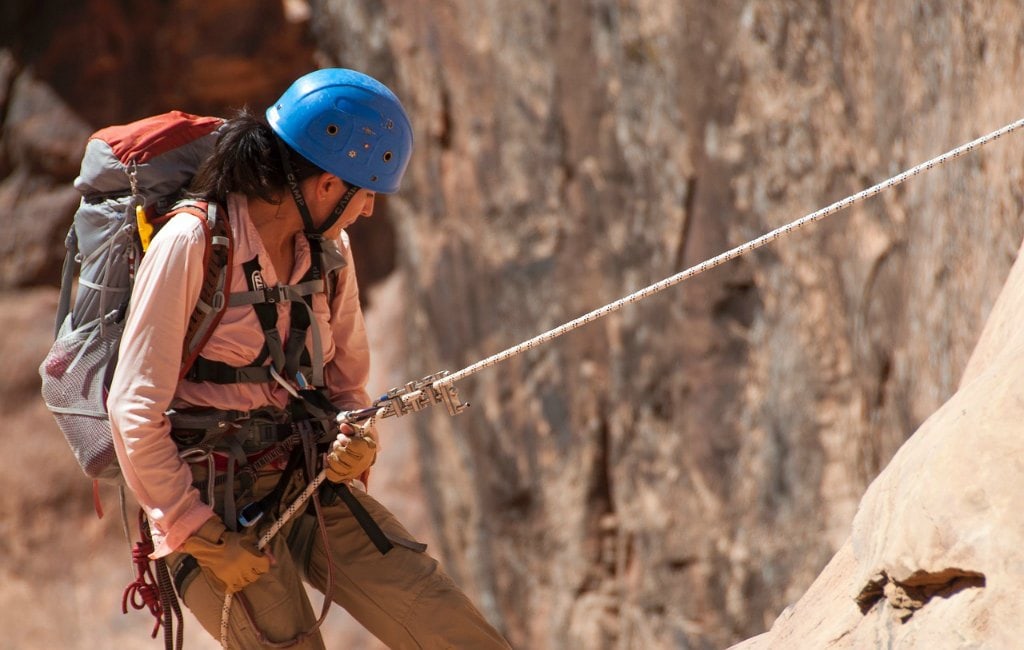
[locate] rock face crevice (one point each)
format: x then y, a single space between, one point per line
911 594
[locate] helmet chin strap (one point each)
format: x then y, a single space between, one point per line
310 228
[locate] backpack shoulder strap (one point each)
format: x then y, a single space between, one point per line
217 260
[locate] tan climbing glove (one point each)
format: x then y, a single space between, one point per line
231 558
349 457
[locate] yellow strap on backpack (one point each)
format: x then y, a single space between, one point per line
145 228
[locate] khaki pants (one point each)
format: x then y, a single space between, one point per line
402 597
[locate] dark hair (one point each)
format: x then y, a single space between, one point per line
246 159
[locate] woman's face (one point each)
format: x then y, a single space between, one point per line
325 191
361 205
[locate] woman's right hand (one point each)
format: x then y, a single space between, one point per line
231 558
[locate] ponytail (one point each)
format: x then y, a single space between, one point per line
246 160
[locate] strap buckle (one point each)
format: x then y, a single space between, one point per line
275 294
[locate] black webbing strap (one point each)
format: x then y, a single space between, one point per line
300 201
296 344
362 515
343 202
218 372
266 312
313 401
183 572
269 502
313 404
170 606
293 185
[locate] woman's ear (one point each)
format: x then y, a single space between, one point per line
327 184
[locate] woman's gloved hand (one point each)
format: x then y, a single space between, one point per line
231 558
350 456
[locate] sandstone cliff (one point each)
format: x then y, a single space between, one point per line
677 474
934 558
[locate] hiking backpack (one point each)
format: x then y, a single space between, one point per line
132 178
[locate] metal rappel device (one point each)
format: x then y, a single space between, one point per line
410 398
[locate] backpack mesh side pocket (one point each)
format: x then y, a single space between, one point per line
75 377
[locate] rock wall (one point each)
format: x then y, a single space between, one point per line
675 474
934 560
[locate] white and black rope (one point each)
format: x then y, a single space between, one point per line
726 256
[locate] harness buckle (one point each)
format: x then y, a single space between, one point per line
194 427
207 427
260 432
275 294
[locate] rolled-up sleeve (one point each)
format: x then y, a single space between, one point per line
166 290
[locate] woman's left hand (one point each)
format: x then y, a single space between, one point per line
352 453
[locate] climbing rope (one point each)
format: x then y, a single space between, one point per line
264 540
153 593
726 256
439 388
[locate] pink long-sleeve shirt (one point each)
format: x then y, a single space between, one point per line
145 383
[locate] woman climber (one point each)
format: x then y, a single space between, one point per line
216 456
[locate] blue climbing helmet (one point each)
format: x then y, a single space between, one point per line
348 124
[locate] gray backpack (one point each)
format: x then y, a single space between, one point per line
131 180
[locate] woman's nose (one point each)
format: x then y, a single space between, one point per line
368 205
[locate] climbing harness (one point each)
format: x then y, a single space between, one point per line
439 388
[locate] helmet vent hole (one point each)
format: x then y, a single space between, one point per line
373 178
387 156
332 129
390 124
